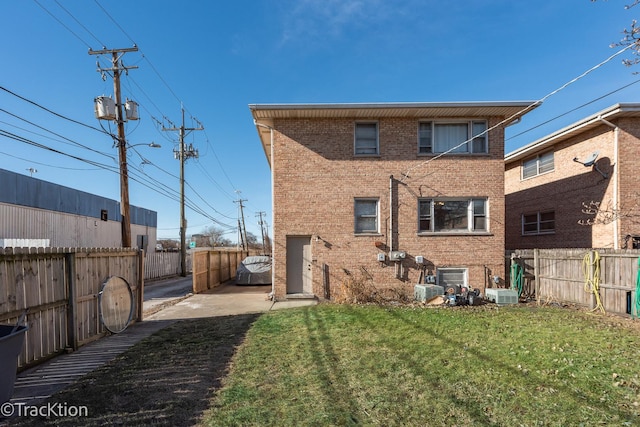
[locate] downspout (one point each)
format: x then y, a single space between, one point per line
391 213
273 248
616 232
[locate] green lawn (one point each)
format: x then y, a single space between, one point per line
370 365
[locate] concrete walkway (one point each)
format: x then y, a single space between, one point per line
35 385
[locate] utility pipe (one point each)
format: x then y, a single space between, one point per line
391 213
616 131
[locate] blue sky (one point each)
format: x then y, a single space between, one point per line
216 58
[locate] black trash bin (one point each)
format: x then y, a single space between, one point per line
11 342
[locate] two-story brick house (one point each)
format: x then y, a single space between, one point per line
388 192
578 187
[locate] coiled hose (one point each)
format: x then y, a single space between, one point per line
591 270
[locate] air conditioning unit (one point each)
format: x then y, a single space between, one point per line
397 255
502 296
424 293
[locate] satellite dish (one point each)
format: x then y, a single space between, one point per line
592 159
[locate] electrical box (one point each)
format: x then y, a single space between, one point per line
381 257
397 255
131 110
419 259
424 293
502 296
105 108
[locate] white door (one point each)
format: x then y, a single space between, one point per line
299 265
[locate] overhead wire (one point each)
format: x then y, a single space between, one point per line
519 113
63 24
52 112
70 141
79 23
572 110
109 132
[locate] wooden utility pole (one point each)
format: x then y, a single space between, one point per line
261 223
183 154
243 229
116 69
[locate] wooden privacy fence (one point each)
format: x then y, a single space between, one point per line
59 289
213 267
163 264
566 275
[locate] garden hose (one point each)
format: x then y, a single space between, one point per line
516 278
591 270
637 313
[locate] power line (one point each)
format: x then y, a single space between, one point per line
518 114
53 112
572 110
62 23
79 23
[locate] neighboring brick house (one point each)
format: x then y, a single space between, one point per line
551 183
356 184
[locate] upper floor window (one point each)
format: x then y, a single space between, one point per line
539 223
366 138
537 165
452 215
453 137
366 216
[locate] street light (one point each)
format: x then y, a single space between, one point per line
151 144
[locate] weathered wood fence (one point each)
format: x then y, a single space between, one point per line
213 267
564 276
59 289
163 264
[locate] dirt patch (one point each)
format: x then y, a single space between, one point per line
166 379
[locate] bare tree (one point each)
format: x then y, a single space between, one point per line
599 214
212 236
631 38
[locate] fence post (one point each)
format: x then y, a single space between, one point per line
592 275
536 273
140 294
72 316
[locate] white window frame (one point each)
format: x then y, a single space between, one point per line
441 271
471 215
428 146
539 222
539 165
357 229
358 150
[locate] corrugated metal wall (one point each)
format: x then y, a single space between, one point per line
34 209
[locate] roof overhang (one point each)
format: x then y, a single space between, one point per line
599 119
264 115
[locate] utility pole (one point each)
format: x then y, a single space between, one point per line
116 69
261 224
243 229
182 154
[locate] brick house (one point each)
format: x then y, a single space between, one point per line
388 193
551 184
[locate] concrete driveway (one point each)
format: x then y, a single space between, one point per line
227 299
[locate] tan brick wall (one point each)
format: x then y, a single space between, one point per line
564 191
316 178
629 184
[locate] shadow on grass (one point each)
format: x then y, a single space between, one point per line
166 379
